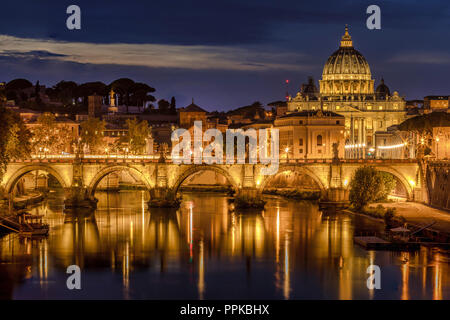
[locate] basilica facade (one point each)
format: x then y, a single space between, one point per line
347 88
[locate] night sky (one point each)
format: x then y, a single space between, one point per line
224 54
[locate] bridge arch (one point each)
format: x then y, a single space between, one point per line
297 169
400 177
16 176
194 169
115 168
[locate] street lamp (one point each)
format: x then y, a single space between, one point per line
437 147
287 153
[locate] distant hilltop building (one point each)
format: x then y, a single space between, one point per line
436 103
347 88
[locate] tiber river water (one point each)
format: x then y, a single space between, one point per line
205 251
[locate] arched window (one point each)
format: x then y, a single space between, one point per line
319 140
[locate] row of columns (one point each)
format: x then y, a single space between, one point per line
357 141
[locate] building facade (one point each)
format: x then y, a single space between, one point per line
311 135
347 88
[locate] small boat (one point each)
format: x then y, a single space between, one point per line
31 225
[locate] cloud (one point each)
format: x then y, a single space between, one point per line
35 54
252 58
421 58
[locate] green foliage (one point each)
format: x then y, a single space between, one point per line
294 194
137 135
370 185
92 135
389 217
14 138
365 186
49 137
376 212
388 184
241 202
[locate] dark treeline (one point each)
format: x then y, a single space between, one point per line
71 97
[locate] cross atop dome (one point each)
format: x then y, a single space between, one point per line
346 39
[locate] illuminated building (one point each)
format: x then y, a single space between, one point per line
436 103
347 88
310 134
441 143
191 113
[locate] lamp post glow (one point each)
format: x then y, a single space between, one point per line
437 147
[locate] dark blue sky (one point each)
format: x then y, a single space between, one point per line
225 54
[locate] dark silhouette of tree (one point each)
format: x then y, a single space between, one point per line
37 94
173 106
163 106
140 94
14 89
63 91
18 84
89 88
251 111
123 87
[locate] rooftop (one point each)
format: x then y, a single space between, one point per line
312 113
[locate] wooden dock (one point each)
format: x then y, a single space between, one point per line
376 243
24 224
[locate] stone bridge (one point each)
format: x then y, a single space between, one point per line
80 177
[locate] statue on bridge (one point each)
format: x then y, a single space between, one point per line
335 146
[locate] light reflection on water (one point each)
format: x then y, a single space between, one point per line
291 250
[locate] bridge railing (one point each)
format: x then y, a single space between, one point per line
155 158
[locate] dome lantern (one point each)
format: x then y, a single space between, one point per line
346 40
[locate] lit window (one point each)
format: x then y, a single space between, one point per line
380 108
319 140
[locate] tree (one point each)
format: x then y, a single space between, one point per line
2 95
173 106
14 89
137 136
163 106
89 88
92 135
140 94
123 87
18 85
37 94
388 183
14 138
63 91
49 136
365 186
